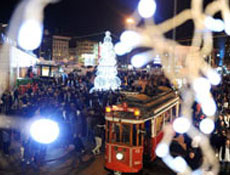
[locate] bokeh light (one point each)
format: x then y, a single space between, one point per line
30 34
207 126
181 125
147 8
44 131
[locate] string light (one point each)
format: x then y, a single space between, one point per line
147 8
215 25
207 126
162 150
181 125
30 34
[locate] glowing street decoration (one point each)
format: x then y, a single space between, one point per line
197 74
121 49
215 25
162 150
106 78
181 125
201 85
147 8
30 35
139 60
207 126
44 131
130 38
213 77
208 106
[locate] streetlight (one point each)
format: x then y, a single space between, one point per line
130 20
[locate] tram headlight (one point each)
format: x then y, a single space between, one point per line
119 156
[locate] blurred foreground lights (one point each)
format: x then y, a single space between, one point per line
227 28
181 125
147 8
213 77
208 106
139 60
30 34
162 150
179 164
201 86
121 49
207 126
44 131
130 38
216 25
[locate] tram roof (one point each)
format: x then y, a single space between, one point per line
149 106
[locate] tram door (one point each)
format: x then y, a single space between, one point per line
147 140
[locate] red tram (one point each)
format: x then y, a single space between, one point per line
134 128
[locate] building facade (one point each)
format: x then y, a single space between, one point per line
60 48
87 49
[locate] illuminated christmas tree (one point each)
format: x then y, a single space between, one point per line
106 78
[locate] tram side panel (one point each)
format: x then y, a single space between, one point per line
130 162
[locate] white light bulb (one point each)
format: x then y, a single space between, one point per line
181 125
213 77
139 60
201 85
208 106
30 34
130 38
44 131
227 27
121 49
179 164
162 150
216 25
197 172
207 126
147 8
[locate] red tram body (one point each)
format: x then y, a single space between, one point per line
134 128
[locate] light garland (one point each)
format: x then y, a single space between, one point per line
197 74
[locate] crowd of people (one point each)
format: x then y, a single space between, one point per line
67 100
220 137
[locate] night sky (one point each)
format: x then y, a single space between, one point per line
83 17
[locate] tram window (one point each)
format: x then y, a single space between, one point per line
148 128
159 124
126 134
174 111
107 131
167 117
135 133
115 135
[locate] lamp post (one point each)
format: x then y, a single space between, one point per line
174 14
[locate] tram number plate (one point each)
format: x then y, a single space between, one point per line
137 151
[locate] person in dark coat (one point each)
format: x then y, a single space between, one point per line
193 158
79 147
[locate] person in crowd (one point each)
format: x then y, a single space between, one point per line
79 147
193 159
98 140
224 156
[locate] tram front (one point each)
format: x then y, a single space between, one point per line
124 140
